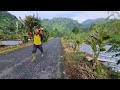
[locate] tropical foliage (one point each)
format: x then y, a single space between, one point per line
98 38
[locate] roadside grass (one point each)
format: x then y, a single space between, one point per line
78 67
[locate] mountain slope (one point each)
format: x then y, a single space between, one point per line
7 22
61 24
90 22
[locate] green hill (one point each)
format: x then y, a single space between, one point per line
62 24
87 23
7 22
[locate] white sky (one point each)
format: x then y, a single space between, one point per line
76 15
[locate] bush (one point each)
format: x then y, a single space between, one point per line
75 56
114 75
115 39
8 37
45 35
75 30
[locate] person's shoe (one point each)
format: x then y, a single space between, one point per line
33 57
42 55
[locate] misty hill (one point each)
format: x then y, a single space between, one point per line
90 22
61 24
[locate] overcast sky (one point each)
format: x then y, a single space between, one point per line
76 15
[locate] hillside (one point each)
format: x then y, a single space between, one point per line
7 22
60 23
89 22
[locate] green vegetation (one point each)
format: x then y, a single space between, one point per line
7 26
8 37
90 22
97 40
114 30
59 27
96 33
78 67
75 30
56 27
45 35
7 23
27 25
62 24
113 74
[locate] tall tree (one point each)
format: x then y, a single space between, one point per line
75 30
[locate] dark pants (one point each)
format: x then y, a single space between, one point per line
37 46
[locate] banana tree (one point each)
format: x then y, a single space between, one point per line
17 30
22 21
69 39
98 38
23 34
77 41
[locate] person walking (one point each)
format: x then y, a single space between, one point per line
37 39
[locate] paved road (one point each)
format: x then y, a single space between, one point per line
18 65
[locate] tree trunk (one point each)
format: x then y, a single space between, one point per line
77 48
96 63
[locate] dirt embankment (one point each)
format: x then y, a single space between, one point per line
77 66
